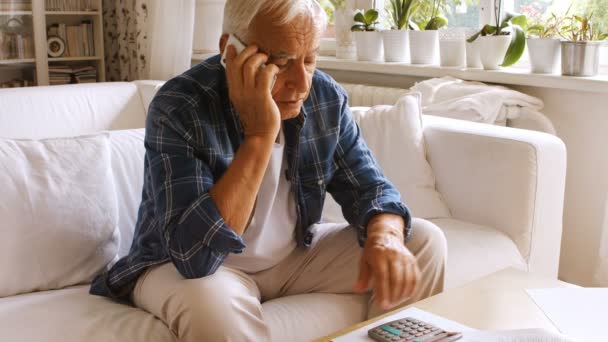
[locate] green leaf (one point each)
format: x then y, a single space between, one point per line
516 48
474 37
436 23
358 27
521 21
488 30
413 26
360 18
371 16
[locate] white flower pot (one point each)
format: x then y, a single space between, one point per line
452 53
345 41
473 55
424 47
369 46
544 55
396 46
493 50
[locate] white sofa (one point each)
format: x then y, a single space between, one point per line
504 189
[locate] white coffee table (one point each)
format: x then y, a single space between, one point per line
498 301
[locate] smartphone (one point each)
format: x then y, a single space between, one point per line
238 45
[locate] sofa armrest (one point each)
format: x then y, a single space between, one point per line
506 178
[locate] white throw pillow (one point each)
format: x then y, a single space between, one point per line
58 213
394 135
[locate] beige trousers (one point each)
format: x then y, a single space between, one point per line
230 300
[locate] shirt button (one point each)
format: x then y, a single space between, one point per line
320 182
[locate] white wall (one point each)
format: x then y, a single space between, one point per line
581 120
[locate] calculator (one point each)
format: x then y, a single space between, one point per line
411 330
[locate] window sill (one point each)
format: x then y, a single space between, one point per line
512 75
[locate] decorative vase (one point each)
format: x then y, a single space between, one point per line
472 50
396 46
424 47
580 58
345 41
493 50
544 55
369 46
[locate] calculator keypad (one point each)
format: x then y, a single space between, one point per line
406 330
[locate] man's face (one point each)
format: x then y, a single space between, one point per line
293 48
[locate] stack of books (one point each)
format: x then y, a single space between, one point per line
86 74
60 74
15 5
64 74
79 39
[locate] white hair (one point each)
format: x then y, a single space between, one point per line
238 14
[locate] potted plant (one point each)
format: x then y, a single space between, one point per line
543 45
501 44
343 21
367 37
580 53
396 40
424 39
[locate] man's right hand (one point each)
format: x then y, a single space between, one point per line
250 88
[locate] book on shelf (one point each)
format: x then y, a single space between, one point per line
15 5
78 39
70 5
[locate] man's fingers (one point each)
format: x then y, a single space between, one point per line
252 68
411 281
362 283
382 283
397 281
267 76
235 62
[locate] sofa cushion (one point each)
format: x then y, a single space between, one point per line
58 215
128 153
394 135
475 251
69 110
73 315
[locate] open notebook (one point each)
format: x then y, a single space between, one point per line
470 335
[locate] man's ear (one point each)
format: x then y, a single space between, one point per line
223 40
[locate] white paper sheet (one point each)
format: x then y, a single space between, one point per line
360 335
581 313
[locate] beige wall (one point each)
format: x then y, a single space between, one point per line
581 120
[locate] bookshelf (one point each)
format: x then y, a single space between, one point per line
79 26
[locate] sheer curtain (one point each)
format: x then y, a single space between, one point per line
147 39
171 28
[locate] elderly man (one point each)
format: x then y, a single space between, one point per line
238 163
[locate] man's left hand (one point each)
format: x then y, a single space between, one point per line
386 264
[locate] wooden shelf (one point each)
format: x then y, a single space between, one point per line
16 61
12 13
74 59
79 13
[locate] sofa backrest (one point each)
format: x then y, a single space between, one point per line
70 110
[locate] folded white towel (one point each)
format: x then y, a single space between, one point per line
473 101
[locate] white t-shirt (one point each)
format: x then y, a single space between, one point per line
270 236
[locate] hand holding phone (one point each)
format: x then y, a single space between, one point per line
250 84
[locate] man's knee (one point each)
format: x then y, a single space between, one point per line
215 309
429 242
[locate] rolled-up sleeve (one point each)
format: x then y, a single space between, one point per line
195 235
358 184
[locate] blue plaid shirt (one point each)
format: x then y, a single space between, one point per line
192 134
